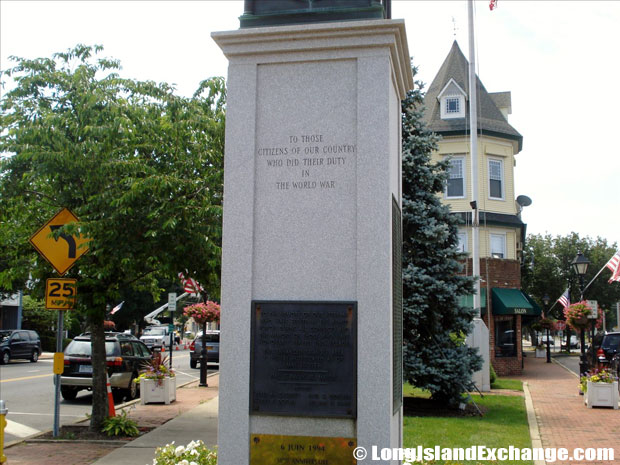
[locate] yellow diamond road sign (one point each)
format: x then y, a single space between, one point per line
61 252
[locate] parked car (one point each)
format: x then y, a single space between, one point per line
125 356
213 348
574 343
610 346
543 340
19 344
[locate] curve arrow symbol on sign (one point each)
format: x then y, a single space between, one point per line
69 239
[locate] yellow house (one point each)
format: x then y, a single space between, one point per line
501 231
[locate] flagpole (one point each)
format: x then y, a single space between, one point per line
473 137
599 272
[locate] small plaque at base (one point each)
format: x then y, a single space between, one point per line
288 450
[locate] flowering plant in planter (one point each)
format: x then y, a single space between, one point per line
156 369
203 312
577 315
597 376
194 453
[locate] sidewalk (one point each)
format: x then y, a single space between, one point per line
192 416
563 419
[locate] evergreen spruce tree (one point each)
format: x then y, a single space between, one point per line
434 325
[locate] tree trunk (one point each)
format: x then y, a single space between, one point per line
100 396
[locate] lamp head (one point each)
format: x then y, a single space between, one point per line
546 299
580 264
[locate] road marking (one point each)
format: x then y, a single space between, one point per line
19 430
44 414
25 378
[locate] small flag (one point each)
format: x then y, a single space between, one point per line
190 285
614 265
117 308
564 299
492 4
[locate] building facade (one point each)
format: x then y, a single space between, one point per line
501 231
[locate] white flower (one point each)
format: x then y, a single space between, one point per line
193 463
183 462
194 452
179 451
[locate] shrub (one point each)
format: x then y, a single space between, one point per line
120 425
195 453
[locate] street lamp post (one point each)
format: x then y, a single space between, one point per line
580 266
546 300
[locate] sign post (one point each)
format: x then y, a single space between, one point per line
172 306
60 293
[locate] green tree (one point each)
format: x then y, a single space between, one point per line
548 270
139 166
435 356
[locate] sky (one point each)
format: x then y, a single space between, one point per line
558 59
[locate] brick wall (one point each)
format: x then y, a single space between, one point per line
507 274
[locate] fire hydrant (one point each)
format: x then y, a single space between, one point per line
3 412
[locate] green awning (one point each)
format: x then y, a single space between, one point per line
468 300
511 302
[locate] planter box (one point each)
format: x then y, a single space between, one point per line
602 395
541 353
151 391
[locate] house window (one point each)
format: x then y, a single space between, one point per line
453 105
455 187
496 179
505 338
462 245
498 245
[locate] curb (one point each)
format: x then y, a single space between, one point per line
119 407
532 422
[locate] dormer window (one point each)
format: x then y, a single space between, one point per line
452 101
452 106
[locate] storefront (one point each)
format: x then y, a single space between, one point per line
508 307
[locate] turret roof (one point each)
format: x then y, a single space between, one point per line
490 118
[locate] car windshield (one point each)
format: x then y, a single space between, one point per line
81 348
154 332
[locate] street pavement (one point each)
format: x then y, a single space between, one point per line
556 411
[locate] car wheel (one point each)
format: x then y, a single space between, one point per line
193 363
35 356
5 358
68 393
134 389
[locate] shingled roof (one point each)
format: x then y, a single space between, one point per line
490 119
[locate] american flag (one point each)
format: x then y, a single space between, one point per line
564 299
614 265
117 308
190 285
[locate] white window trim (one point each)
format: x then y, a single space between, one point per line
503 237
443 104
460 233
445 191
503 178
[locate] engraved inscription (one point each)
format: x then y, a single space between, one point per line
307 161
304 359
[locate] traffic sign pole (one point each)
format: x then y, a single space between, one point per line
57 377
172 306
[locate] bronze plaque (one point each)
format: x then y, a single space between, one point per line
289 450
304 359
